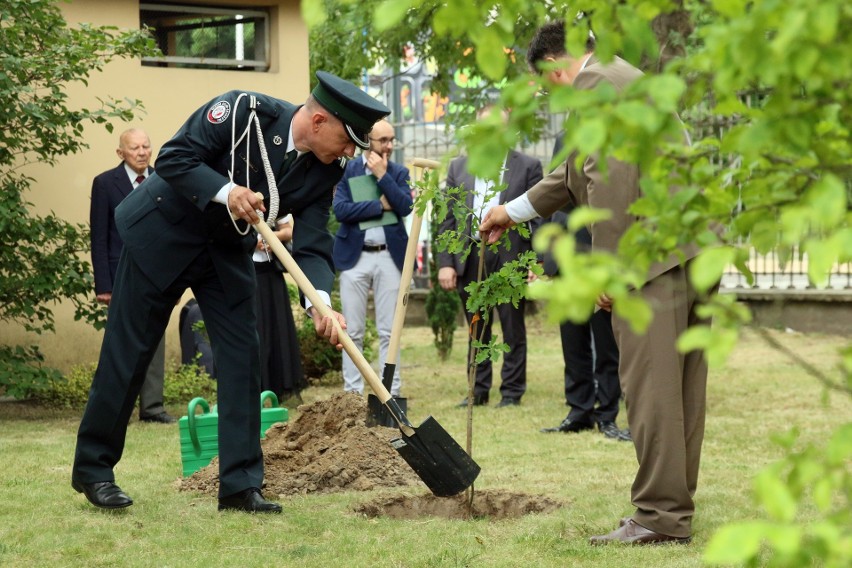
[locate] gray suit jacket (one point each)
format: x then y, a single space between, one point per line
588 186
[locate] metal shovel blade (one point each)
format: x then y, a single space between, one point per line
377 414
441 463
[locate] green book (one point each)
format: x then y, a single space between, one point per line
365 188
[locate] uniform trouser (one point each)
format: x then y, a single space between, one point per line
378 271
138 315
665 393
151 395
591 369
513 374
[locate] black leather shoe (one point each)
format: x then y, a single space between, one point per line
103 494
478 400
161 418
611 430
569 425
248 501
508 402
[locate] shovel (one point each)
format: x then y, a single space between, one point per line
377 415
429 449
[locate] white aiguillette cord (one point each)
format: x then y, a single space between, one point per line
272 214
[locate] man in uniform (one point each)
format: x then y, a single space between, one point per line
187 226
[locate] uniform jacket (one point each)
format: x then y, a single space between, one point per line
521 173
568 185
172 217
350 238
108 190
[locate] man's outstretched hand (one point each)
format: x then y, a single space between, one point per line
494 224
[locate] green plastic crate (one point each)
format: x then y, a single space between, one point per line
199 433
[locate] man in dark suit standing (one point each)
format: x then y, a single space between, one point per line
665 390
187 226
108 190
371 257
592 389
455 271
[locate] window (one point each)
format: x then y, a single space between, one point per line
206 37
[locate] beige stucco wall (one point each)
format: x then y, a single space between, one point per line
169 96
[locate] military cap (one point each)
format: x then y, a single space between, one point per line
357 110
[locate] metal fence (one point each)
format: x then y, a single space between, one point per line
434 140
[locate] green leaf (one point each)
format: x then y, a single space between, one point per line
840 446
585 216
706 269
827 199
489 53
775 496
313 12
390 13
635 310
735 543
590 135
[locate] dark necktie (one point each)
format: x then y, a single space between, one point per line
289 158
139 179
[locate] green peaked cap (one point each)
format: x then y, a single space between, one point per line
357 110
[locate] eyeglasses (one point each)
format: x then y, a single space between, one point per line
384 141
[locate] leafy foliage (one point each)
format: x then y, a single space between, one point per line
182 383
813 477
42 260
778 175
320 360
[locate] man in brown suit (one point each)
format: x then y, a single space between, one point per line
665 390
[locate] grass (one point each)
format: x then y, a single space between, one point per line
44 523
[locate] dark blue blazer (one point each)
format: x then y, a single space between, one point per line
108 190
350 238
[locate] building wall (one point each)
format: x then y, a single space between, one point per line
169 96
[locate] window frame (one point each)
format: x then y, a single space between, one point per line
175 61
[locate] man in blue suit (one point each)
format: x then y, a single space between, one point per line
108 190
187 226
371 256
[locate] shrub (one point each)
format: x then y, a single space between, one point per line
71 391
321 362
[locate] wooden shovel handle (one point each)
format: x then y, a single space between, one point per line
311 294
407 270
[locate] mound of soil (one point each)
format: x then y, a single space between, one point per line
490 504
327 448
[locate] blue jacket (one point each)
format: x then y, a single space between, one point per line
350 238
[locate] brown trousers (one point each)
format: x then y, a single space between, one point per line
665 392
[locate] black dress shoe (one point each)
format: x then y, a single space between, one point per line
161 418
611 430
478 400
569 425
508 402
248 501
103 494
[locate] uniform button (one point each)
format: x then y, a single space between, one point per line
195 199
159 199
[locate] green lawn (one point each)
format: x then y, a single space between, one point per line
43 522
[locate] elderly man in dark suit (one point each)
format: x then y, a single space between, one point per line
108 190
665 390
455 271
187 226
373 256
